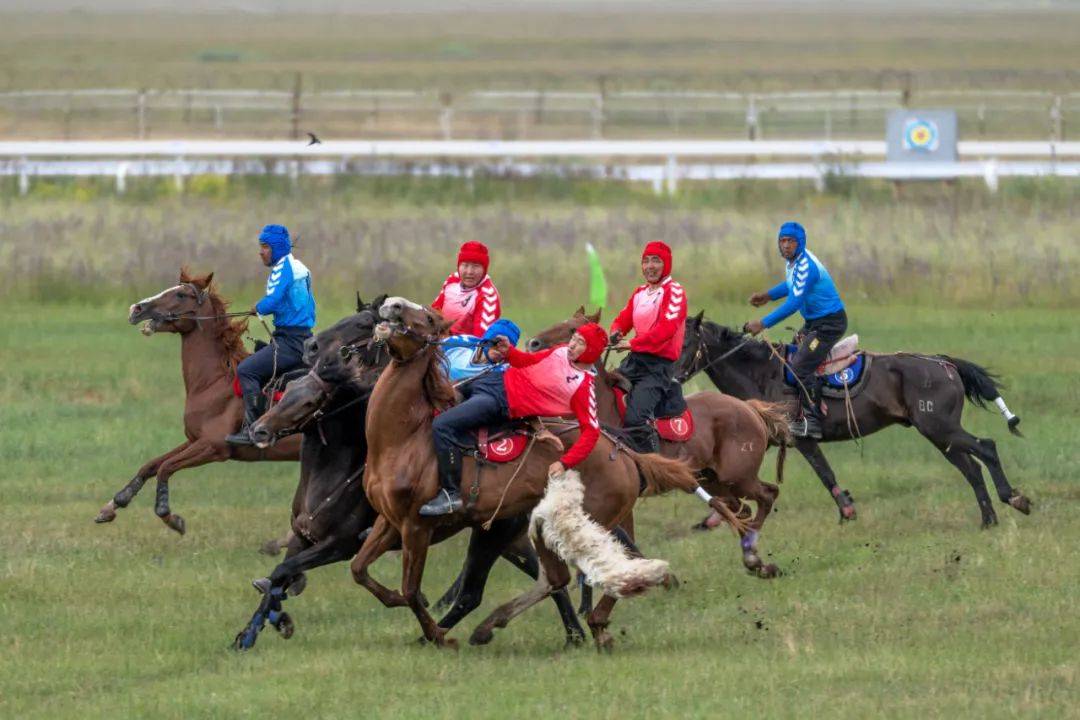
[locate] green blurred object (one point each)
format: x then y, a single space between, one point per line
597 281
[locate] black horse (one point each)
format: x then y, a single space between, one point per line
331 515
922 391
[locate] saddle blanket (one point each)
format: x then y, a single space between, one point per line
501 447
679 428
848 375
240 393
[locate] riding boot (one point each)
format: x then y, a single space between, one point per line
251 414
642 439
448 500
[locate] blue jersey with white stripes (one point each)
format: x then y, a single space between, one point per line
808 288
288 294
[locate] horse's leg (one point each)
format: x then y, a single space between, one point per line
269 606
452 593
196 454
383 536
973 474
415 541
985 450
129 491
811 450
520 554
484 549
599 619
274 546
764 496
553 575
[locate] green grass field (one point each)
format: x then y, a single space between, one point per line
911 611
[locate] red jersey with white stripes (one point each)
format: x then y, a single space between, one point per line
548 383
657 315
472 310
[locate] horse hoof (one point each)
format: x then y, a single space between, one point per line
448 643
481 636
175 522
988 523
270 547
285 626
701 526
1021 503
768 572
243 641
297 586
263 585
605 643
847 513
574 640
107 513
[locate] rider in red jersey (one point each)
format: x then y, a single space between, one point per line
468 297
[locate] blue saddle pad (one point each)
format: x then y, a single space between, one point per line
851 374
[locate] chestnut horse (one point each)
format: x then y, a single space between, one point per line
211 346
401 476
726 451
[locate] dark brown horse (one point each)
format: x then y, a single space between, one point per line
922 391
330 512
726 451
211 346
401 476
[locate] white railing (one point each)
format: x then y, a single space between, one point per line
633 160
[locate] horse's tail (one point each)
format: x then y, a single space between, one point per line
663 475
774 415
982 386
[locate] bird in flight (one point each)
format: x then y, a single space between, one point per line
314 140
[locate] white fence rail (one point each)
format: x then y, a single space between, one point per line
624 160
520 114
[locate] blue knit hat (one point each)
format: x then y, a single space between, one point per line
505 327
277 237
793 230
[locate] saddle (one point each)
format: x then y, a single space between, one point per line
506 442
842 372
673 428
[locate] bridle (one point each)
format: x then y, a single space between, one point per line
201 296
702 353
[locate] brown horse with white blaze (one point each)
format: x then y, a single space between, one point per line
729 443
211 346
401 476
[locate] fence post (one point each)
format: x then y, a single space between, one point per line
296 108
1055 120
980 114
599 110
446 115
671 177
121 178
24 178
752 118
140 113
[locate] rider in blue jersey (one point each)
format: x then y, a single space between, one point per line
289 300
810 290
468 356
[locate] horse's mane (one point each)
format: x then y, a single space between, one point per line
755 350
229 332
437 388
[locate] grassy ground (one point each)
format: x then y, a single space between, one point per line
909 612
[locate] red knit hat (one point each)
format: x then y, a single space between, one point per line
474 252
596 341
662 251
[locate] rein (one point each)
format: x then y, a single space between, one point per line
714 361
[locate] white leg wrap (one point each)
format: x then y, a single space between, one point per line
1000 402
700 492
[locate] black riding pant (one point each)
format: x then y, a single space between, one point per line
258 368
819 337
486 405
654 394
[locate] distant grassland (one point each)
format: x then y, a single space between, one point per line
730 46
947 246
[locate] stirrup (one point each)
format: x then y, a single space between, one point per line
804 428
242 437
445 503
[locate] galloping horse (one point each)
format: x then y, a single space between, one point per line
401 476
726 451
924 391
330 513
211 346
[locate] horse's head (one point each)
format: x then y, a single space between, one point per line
407 328
692 358
561 332
304 401
345 338
174 309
